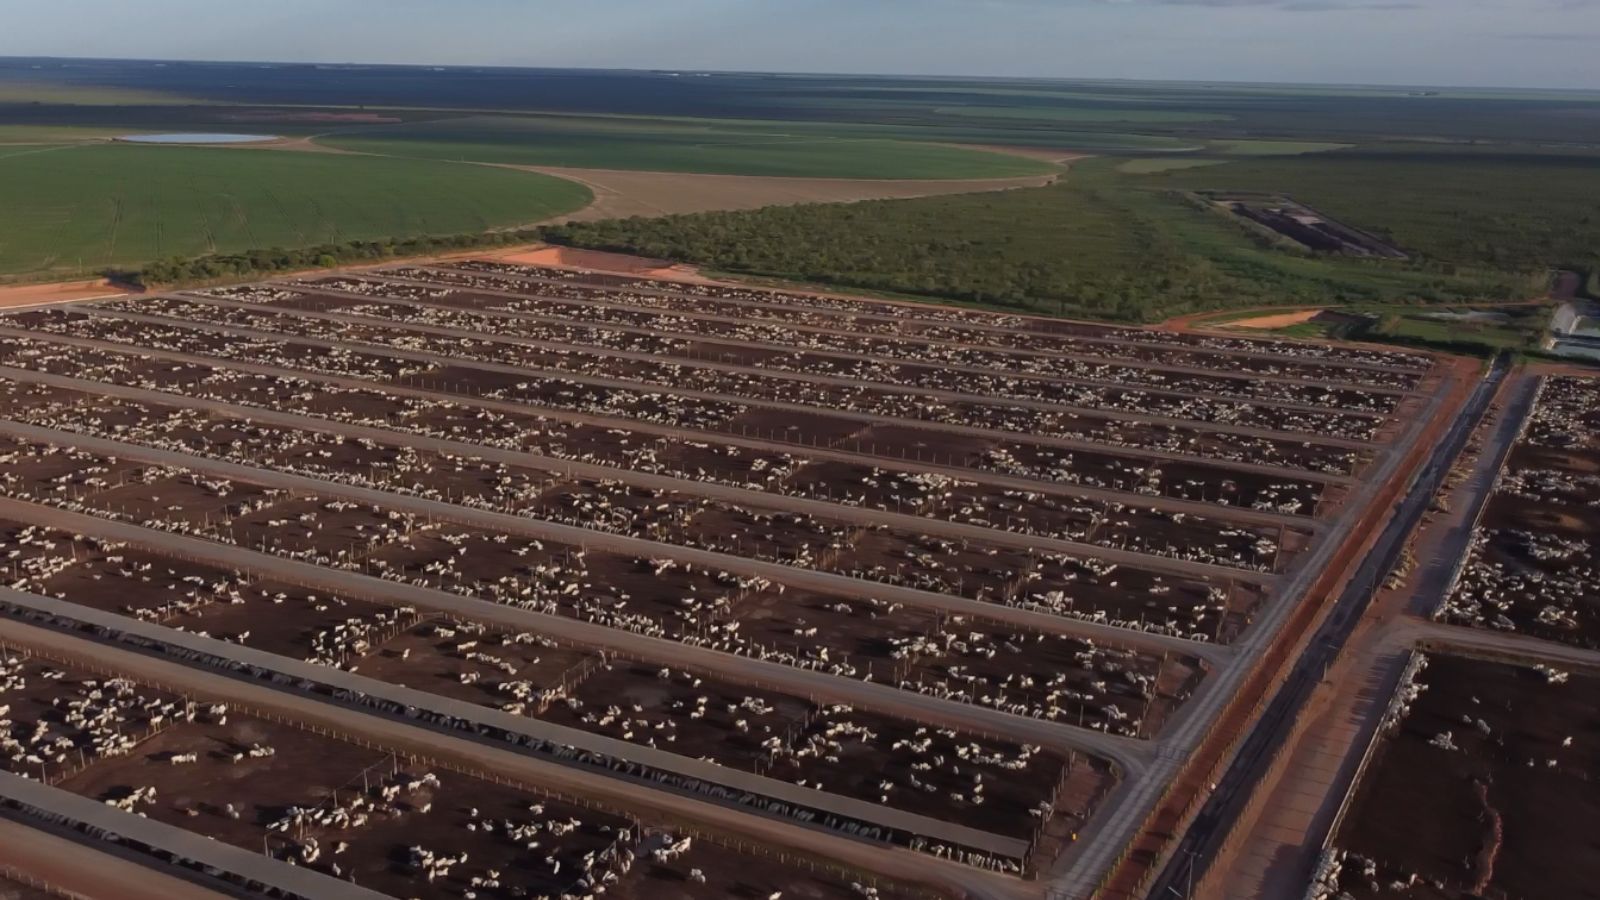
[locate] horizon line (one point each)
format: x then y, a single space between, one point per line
803 74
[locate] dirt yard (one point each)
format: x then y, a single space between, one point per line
1485 790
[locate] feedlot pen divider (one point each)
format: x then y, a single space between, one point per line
844 585
319 289
866 419
761 441
184 657
711 361
858 516
912 308
1531 389
541 739
1128 753
28 798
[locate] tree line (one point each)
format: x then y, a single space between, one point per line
277 260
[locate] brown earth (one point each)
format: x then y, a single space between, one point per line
619 193
542 255
57 292
1274 840
1184 795
1282 320
1203 321
1512 811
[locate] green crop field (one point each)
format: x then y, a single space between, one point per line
1484 188
1480 331
664 146
1148 164
1273 148
1081 114
86 208
24 90
11 135
1418 328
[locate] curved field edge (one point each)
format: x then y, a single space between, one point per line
680 149
624 194
92 208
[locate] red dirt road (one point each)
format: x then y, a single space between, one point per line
1186 793
56 292
1273 846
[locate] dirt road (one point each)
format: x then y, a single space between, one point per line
1078 876
1272 851
26 295
1205 838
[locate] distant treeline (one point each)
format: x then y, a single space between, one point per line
259 263
1089 247
1066 250
1096 245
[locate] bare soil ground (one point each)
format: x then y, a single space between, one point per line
57 292
596 259
620 193
1505 807
294 145
1282 320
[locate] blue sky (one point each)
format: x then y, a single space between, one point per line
1532 43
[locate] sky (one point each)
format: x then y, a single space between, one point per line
1510 43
